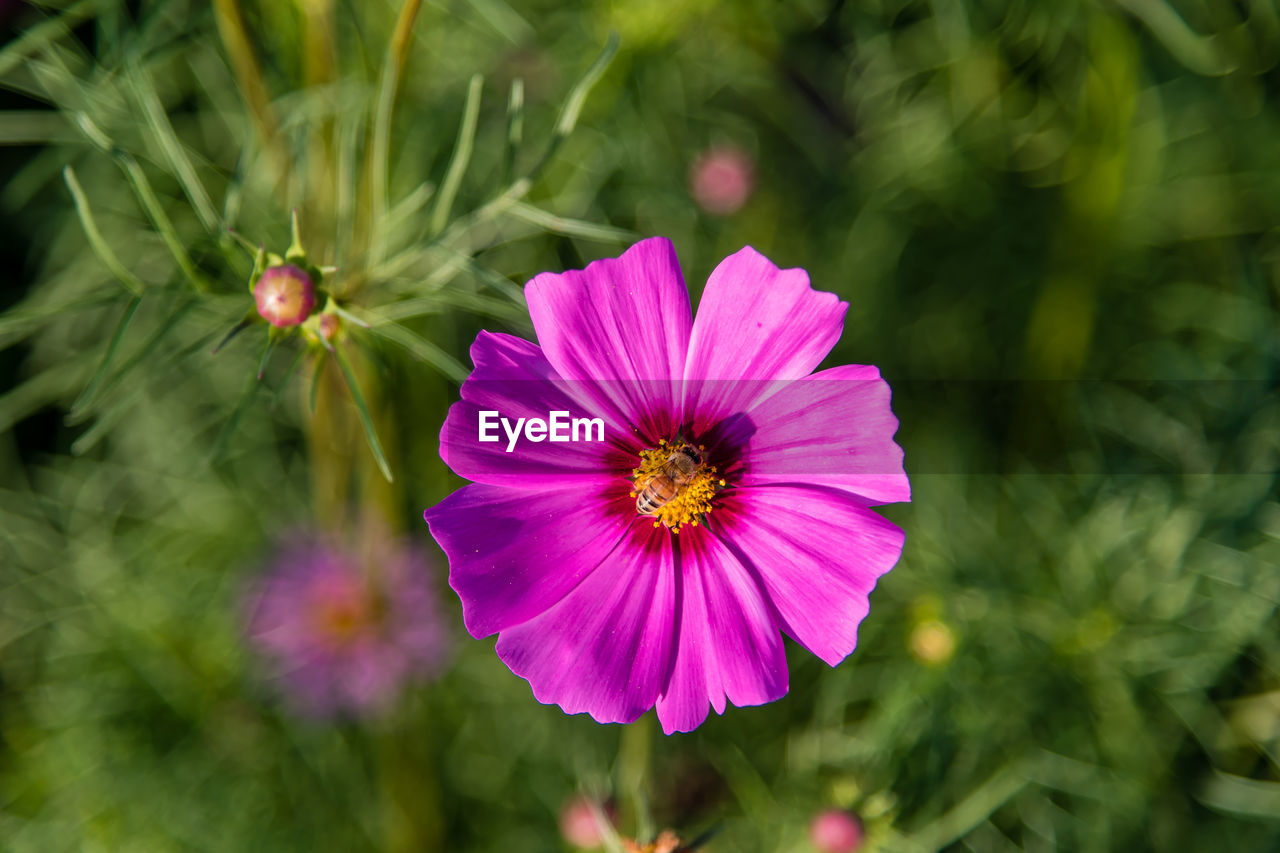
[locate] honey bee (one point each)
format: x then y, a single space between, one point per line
664 485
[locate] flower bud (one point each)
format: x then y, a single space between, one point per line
580 819
835 831
721 180
932 642
285 295
330 325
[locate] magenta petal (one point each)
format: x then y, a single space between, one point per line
513 379
818 553
514 553
622 326
729 643
606 647
835 429
755 322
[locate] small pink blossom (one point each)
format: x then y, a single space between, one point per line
580 822
285 295
721 179
343 632
835 831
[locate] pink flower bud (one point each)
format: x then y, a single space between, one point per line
835 831
580 822
285 295
721 179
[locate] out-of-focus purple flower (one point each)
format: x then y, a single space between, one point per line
727 504
285 295
721 179
835 831
343 633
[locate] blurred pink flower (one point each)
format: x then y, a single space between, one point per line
342 633
581 821
835 831
721 179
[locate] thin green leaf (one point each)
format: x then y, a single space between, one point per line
96 241
422 348
229 336
34 127
144 87
143 353
366 420
151 203
85 400
223 441
409 205
39 36
973 810
266 355
571 227
572 108
20 321
475 302
1257 798
244 243
461 156
315 384
111 416
38 391
515 128
347 130
287 375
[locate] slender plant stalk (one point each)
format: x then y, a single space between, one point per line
244 65
376 165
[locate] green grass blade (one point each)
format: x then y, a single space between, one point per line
96 241
20 321
155 211
38 391
223 441
571 227
572 108
43 33
266 355
287 375
421 348
461 156
366 420
515 128
315 384
143 353
85 400
145 91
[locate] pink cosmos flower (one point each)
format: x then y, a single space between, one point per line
344 633
835 831
721 179
609 606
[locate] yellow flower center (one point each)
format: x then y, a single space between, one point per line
674 484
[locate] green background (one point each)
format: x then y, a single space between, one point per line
1055 224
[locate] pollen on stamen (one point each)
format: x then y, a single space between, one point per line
694 497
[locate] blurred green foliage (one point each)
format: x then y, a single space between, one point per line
1056 227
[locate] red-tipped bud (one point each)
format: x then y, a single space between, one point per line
286 295
835 831
330 325
580 820
721 180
